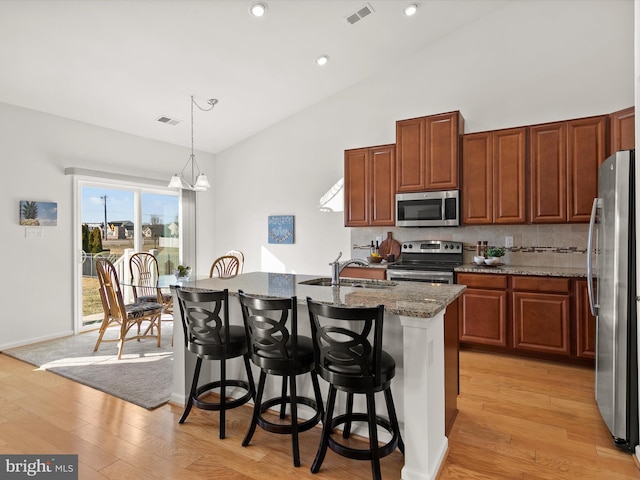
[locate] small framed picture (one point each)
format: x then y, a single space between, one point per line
281 229
38 214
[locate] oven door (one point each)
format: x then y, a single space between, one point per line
420 276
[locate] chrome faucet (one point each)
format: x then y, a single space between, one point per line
337 267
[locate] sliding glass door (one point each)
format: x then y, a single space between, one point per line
115 221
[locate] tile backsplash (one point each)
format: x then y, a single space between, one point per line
533 245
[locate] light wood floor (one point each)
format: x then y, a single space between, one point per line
519 419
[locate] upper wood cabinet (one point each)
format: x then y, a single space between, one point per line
622 130
477 178
494 177
369 186
427 152
548 173
564 161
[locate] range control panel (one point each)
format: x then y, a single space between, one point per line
431 246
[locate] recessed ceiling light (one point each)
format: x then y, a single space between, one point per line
410 10
258 9
322 60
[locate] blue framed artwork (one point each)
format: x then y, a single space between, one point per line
38 214
281 229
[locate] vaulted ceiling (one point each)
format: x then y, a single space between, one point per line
122 64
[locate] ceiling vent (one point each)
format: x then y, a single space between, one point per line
167 120
359 14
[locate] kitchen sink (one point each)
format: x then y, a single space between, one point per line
350 282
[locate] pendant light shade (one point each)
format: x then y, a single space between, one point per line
202 183
176 181
199 181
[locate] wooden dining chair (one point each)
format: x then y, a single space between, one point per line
144 278
127 316
240 256
225 267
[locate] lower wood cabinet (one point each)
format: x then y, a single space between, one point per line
541 314
585 322
483 315
543 317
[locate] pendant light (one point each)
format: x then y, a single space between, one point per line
199 181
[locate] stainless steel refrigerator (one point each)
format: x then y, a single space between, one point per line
611 271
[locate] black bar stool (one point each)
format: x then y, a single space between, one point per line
277 349
207 333
350 361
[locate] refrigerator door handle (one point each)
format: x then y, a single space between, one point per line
597 203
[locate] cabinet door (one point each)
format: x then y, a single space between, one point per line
585 322
483 317
442 139
622 127
509 154
477 179
410 145
548 177
356 187
541 322
586 150
383 183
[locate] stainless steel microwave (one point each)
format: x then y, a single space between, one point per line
428 209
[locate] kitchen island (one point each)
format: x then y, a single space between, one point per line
413 335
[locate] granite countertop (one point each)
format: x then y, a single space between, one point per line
545 271
412 299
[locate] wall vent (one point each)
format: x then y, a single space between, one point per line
167 120
359 14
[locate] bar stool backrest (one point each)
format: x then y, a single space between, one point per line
347 344
271 324
205 321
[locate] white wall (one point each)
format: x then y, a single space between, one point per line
530 62
35 148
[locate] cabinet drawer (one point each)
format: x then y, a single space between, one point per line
541 284
480 280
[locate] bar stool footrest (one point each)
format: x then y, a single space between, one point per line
358 453
233 403
287 428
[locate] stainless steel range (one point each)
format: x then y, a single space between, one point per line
429 261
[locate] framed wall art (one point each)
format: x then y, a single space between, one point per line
38 214
281 229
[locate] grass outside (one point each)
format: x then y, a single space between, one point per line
91 303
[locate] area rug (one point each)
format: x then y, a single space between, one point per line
144 374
